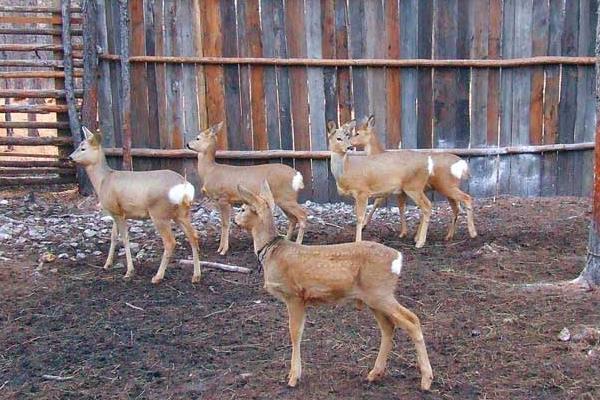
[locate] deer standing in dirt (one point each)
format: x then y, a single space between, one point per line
220 184
162 196
448 171
301 275
379 175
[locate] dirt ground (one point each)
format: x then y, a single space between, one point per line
226 338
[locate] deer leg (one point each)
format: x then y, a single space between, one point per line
376 204
192 237
163 226
122 226
406 320
299 214
387 332
114 235
292 222
402 210
425 206
455 211
225 209
296 315
460 196
361 208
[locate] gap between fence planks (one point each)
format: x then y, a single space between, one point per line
224 267
364 62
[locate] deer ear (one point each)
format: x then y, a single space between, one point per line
96 139
267 195
216 128
86 133
330 127
350 125
248 197
371 121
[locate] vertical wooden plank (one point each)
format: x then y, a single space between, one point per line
316 98
185 46
525 169
375 47
425 76
126 85
483 169
463 75
445 79
328 51
236 140
344 83
506 93
197 50
392 78
590 114
409 49
254 49
160 71
212 47
153 94
296 44
174 77
356 16
270 74
567 113
244 71
139 78
105 106
551 99
114 44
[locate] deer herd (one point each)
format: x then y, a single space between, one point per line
298 275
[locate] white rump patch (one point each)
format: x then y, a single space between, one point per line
298 182
181 192
459 169
397 264
430 165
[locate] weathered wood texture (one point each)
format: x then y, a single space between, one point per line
473 103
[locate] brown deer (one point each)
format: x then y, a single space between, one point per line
448 171
162 196
379 175
301 275
220 184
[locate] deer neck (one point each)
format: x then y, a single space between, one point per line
337 164
263 235
98 171
206 161
374 146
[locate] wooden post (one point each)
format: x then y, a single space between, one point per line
126 86
590 276
74 123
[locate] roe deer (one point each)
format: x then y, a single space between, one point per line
379 175
220 184
162 196
301 275
448 171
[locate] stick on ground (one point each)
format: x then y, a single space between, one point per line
224 267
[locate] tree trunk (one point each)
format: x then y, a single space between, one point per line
590 276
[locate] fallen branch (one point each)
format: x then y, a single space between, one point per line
134 307
57 378
224 267
575 285
219 311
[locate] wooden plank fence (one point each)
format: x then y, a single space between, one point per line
449 74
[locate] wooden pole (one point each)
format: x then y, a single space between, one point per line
74 123
36 74
365 62
125 84
36 141
33 9
590 276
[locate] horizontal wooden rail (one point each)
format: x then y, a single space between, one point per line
36 141
315 155
30 94
35 163
37 180
37 171
33 124
14 154
37 31
32 108
366 62
54 20
36 74
37 63
35 9
35 47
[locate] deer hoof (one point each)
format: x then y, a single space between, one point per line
473 234
419 244
128 277
107 266
196 279
293 381
375 375
156 279
426 382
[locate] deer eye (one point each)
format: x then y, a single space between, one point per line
339 139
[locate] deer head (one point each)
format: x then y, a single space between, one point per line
338 138
206 141
363 133
89 151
